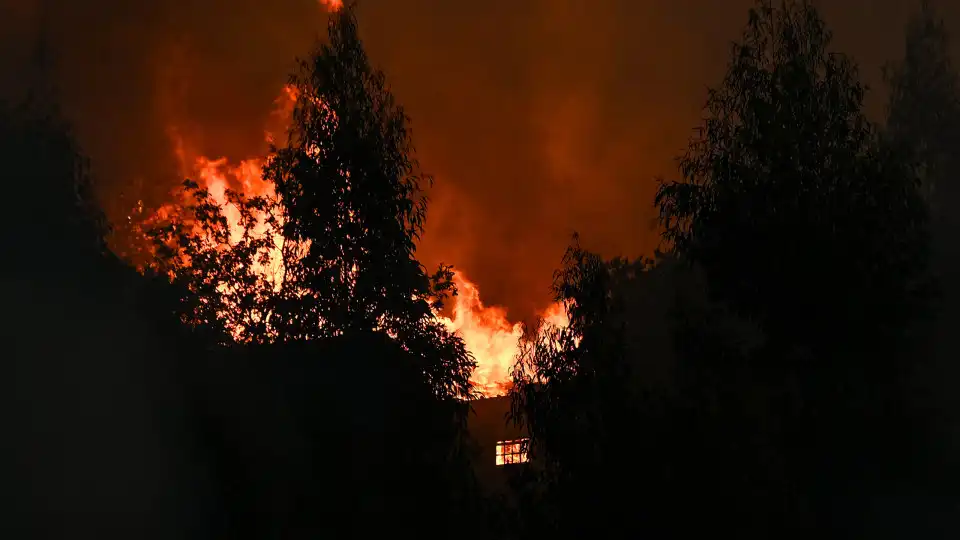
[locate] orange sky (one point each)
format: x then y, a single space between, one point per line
538 118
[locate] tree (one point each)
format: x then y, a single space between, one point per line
318 285
788 180
56 217
341 231
596 398
565 381
807 223
643 394
100 443
923 120
923 110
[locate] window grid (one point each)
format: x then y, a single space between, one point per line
512 452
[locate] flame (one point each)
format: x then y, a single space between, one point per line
332 5
214 175
512 452
218 176
490 336
486 330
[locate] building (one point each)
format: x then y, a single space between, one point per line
500 445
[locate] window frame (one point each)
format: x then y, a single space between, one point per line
512 452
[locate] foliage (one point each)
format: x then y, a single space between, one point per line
571 390
560 364
643 393
790 201
798 261
317 301
225 289
923 111
90 354
338 237
54 216
806 222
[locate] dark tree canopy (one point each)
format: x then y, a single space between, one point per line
53 221
574 391
923 111
789 200
798 265
756 379
581 361
923 120
351 189
99 438
807 222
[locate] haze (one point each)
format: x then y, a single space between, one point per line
537 118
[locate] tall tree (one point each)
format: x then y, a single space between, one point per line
923 111
319 282
804 221
923 119
341 231
789 201
645 393
56 217
578 392
99 443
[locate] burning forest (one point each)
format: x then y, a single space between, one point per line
490 336
260 286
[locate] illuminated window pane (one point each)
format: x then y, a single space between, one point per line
512 452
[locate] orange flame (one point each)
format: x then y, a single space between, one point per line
332 5
486 330
490 336
214 174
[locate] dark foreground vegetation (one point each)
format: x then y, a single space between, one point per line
784 368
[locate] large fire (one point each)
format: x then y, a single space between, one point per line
486 330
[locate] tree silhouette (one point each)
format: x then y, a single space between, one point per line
923 111
339 237
315 297
805 222
788 180
646 392
56 218
579 390
923 120
100 442
351 190
225 290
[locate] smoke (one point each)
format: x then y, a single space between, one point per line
537 118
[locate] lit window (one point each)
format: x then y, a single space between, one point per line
511 452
